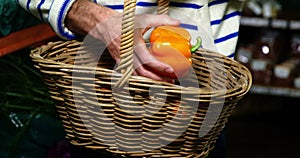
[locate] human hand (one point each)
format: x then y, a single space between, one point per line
143 61
105 24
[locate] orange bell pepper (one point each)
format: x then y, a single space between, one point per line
171 45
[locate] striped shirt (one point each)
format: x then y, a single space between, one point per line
216 19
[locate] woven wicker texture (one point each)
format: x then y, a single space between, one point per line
103 108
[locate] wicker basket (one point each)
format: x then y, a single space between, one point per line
128 115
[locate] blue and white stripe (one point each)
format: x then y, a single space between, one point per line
57 13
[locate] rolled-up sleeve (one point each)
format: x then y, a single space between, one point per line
52 12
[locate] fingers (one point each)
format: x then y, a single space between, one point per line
144 57
148 66
143 71
114 49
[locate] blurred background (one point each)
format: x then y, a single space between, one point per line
264 124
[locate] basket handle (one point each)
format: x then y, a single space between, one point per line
127 34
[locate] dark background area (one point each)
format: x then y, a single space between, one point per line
264 126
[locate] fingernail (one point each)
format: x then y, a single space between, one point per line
169 70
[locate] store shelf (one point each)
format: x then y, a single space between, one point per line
272 90
272 23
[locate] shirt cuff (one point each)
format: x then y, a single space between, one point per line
57 14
